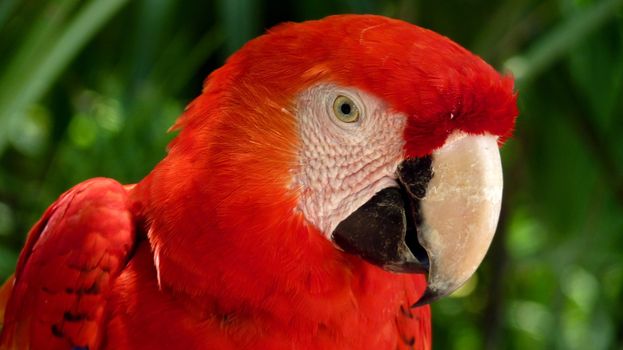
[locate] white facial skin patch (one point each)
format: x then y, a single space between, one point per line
342 163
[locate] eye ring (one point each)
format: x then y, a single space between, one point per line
345 109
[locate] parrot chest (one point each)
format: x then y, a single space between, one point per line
371 315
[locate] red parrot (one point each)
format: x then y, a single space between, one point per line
333 177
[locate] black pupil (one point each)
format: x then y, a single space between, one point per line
345 108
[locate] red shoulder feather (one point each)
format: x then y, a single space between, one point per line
66 269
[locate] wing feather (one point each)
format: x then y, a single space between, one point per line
65 271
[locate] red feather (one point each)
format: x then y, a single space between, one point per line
65 272
227 262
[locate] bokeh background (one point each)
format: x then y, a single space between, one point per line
88 88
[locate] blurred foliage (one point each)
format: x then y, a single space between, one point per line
88 88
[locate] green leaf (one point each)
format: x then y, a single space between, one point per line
33 70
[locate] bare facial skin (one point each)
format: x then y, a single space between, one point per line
342 165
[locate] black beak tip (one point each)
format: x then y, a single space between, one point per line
428 297
407 266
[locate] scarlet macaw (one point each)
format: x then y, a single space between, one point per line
332 178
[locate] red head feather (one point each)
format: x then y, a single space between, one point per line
437 83
220 208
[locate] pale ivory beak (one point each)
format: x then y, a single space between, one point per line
460 210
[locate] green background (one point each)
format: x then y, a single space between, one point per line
88 88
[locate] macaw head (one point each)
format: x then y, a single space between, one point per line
379 137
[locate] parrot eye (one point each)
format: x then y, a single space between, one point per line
345 109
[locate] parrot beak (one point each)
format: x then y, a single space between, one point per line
460 211
440 220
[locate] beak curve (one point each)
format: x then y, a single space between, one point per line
460 211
